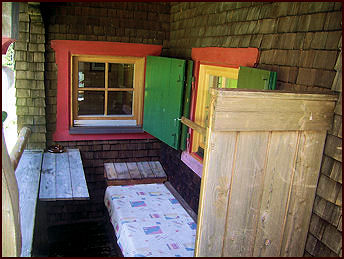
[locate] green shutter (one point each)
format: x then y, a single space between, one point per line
253 78
186 105
164 88
273 79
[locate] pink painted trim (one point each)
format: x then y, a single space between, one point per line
6 42
63 51
192 163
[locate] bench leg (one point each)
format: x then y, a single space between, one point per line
40 246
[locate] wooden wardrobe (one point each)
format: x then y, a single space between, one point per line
260 171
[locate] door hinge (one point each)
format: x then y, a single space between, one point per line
175 121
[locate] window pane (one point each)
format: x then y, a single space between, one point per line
120 103
90 103
121 75
91 75
230 83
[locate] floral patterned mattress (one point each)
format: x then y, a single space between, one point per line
149 221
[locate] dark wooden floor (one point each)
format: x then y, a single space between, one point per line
87 239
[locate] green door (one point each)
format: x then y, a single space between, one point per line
164 88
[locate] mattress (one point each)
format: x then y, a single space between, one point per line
149 221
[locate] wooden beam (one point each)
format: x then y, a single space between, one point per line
194 126
274 110
18 148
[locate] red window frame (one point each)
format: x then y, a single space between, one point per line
63 51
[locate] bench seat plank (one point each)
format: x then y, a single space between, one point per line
63 179
145 170
157 168
79 185
134 171
28 175
47 189
122 171
110 170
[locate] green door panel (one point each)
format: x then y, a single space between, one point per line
186 104
164 88
253 78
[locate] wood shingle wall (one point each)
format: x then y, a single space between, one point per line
29 73
297 40
325 231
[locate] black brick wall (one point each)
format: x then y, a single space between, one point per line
183 179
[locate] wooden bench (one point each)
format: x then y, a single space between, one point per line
63 177
58 176
21 178
134 173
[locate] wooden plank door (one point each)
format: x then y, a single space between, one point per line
164 89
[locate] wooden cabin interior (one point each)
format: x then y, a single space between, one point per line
231 109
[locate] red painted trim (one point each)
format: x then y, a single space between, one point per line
232 57
63 51
225 57
6 42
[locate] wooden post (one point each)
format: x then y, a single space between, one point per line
11 234
19 146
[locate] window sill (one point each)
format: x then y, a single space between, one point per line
104 130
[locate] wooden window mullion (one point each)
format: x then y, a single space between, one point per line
121 89
106 87
75 87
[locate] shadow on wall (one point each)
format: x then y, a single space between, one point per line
183 179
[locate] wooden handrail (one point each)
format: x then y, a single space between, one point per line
18 148
193 126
